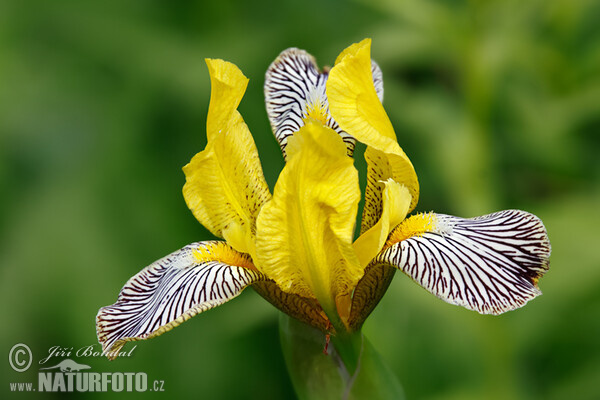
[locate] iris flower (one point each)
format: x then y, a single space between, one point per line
295 247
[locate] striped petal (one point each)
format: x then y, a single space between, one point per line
490 264
295 90
225 186
173 289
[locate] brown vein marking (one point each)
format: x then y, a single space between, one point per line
303 309
369 291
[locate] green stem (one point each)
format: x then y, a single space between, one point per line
352 369
349 347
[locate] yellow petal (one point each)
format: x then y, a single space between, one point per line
383 166
225 187
304 234
353 101
396 200
354 104
228 85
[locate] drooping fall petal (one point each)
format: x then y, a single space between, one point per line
295 90
490 264
304 234
225 186
173 289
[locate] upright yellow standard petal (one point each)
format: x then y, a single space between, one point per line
225 187
396 200
304 234
354 104
228 85
353 101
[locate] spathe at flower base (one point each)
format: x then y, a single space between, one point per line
295 246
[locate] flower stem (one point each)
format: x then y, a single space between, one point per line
352 369
349 348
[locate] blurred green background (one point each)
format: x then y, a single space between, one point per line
101 103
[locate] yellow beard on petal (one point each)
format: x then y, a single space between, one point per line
223 253
416 225
316 111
